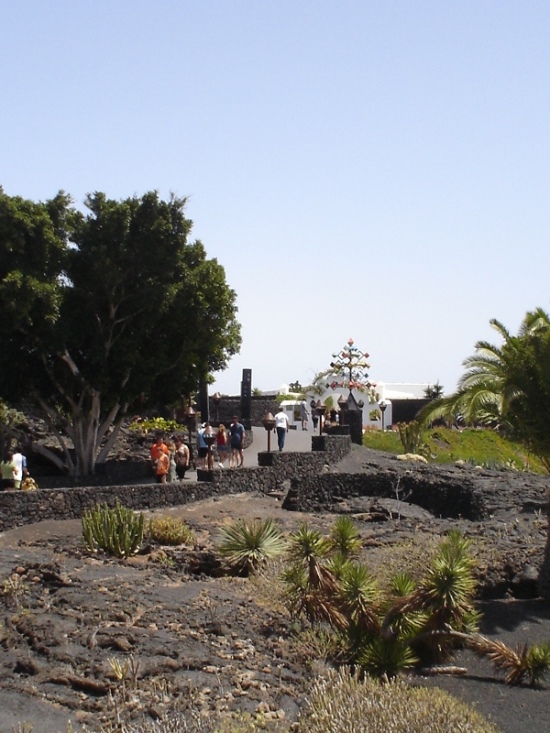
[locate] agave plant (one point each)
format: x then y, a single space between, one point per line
402 585
443 600
308 548
246 546
312 584
314 602
405 626
307 544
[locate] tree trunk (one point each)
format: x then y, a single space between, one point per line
544 573
88 432
85 430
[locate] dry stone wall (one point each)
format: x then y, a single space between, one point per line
272 476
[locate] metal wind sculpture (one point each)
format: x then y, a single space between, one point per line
348 369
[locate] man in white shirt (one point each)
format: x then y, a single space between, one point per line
281 426
20 467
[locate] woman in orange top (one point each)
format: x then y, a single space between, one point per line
158 447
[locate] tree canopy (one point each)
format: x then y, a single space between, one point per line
507 386
106 311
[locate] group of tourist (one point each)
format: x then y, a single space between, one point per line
171 460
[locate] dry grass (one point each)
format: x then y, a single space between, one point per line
168 530
340 703
410 556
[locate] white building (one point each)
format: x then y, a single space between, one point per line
385 393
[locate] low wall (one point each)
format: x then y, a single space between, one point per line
321 493
18 508
447 491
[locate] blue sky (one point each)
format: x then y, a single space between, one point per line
377 170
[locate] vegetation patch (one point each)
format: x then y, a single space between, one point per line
481 447
247 546
117 530
170 531
341 702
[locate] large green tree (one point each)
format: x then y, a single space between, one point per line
106 311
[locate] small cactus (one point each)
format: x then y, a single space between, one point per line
116 530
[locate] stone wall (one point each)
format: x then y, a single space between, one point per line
327 491
314 481
452 492
230 406
334 446
18 508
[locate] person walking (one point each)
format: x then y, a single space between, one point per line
281 426
304 414
21 467
157 449
162 467
172 465
314 415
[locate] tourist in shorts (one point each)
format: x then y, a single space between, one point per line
237 433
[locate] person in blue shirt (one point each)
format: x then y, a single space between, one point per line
237 433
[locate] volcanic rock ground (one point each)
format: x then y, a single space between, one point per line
195 639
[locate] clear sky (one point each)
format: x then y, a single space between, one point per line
379 170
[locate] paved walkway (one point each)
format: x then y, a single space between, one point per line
297 441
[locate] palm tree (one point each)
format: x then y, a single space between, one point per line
433 392
506 387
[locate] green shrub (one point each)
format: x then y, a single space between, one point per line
116 530
170 531
156 425
385 632
344 537
246 546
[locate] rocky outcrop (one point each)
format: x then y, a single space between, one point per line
456 492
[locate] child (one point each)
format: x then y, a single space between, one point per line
162 467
